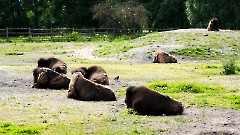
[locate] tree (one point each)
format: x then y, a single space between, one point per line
13 13
200 12
124 15
167 13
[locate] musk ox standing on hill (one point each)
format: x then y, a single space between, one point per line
47 78
163 57
149 102
54 64
82 89
94 73
213 25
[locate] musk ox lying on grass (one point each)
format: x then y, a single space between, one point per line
54 64
213 25
163 57
94 73
47 78
149 102
82 89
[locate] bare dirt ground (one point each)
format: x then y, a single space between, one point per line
202 121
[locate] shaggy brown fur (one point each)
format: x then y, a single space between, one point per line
149 102
47 78
163 57
54 64
82 89
213 25
83 70
94 73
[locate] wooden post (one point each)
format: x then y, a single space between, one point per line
51 32
93 29
29 32
7 33
114 32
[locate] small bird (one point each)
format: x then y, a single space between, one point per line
116 78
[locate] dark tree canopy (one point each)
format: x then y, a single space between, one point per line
118 13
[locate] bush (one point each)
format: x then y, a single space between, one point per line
229 66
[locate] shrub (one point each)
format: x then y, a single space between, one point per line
229 66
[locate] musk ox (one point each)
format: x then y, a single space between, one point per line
213 25
54 64
149 102
163 57
47 78
94 73
82 89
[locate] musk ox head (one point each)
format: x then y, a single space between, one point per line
83 70
98 75
163 57
54 64
129 94
60 67
213 25
43 62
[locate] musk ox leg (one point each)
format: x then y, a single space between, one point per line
71 88
42 81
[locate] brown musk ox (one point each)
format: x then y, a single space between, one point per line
83 89
83 70
53 63
44 78
94 73
149 102
163 57
213 25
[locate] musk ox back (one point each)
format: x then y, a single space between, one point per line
149 102
82 89
213 25
54 64
94 73
163 57
47 78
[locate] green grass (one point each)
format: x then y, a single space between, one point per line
199 94
197 45
8 128
198 53
165 87
199 84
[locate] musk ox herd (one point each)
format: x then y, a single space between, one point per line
89 84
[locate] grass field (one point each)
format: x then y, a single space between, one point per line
198 81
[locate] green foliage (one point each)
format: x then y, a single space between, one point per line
167 13
201 12
229 66
118 14
8 128
198 53
130 14
164 87
234 100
